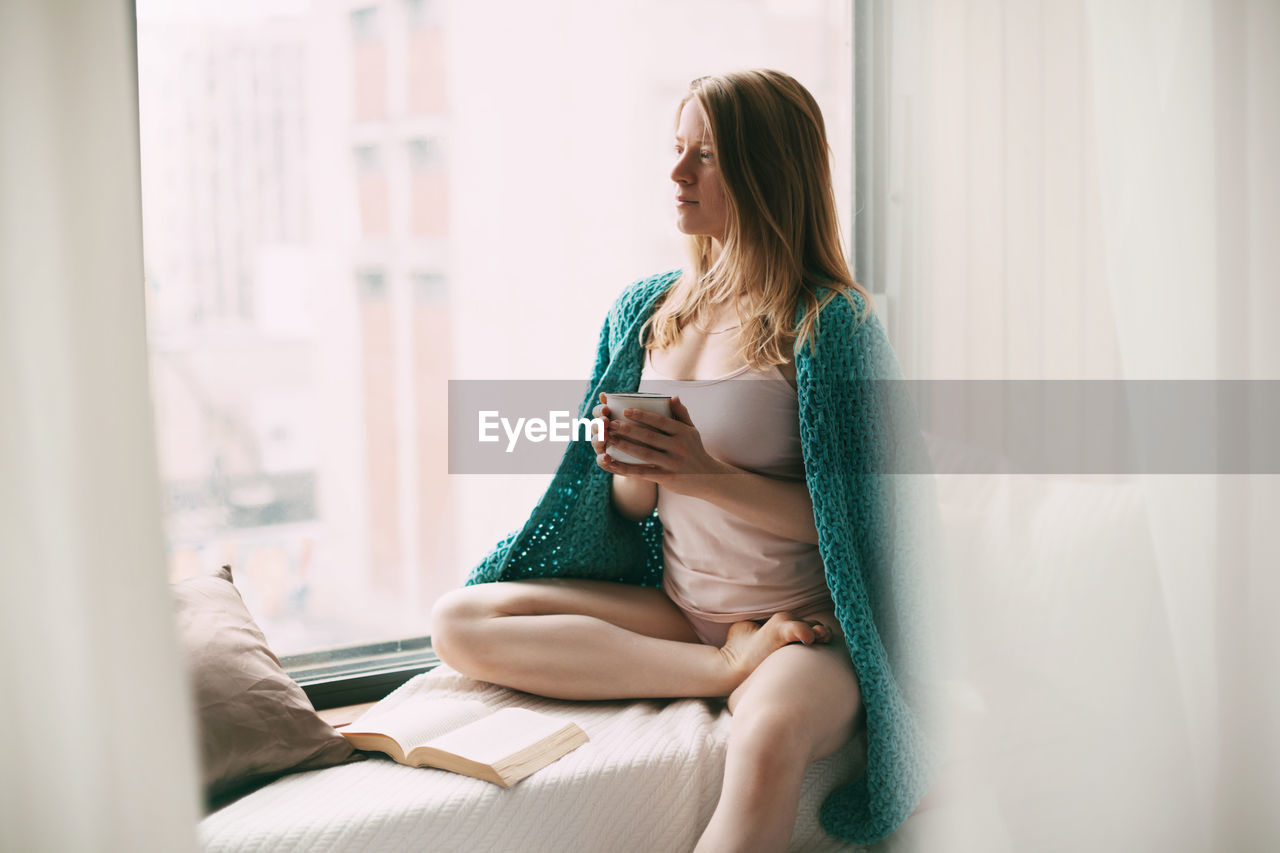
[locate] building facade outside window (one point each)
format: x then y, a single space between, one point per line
347 205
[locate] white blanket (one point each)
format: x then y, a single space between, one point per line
648 781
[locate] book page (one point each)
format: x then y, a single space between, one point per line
498 735
419 719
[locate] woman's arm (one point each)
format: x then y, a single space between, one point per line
634 499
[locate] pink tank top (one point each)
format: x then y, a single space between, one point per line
720 567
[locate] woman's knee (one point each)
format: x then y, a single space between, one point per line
457 626
770 738
780 738
801 702
462 621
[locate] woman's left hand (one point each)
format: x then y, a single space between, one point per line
670 447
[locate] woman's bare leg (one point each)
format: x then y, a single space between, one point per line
800 705
577 639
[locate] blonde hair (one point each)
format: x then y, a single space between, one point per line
782 235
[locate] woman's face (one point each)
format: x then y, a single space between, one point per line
701 209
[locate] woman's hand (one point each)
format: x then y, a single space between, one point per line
634 499
602 412
676 460
671 448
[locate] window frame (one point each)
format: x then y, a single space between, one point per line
352 675
872 28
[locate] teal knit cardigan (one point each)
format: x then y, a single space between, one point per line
870 549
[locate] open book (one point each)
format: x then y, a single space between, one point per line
466 736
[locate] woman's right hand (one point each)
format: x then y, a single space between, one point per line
602 412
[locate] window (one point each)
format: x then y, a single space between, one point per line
424 154
368 160
368 63
373 190
429 189
429 288
331 240
424 13
364 23
373 285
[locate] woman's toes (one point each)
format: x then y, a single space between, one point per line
798 632
749 643
789 630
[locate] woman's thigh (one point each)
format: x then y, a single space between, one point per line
812 691
643 610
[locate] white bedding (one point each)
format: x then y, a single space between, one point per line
648 781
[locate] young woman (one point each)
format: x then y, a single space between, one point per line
771 517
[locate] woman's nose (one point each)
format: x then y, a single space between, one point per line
680 172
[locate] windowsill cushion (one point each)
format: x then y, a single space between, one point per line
648 780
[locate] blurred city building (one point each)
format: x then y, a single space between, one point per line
241 325
316 276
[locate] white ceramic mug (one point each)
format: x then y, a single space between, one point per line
659 404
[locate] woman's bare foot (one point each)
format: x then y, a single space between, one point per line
749 643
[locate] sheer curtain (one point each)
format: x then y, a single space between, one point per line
1088 190
1186 107
99 748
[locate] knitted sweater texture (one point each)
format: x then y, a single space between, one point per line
872 545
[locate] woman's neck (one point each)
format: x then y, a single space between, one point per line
714 255
721 317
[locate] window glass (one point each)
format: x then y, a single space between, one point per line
364 23
347 206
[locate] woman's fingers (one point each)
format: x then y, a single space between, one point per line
669 447
626 469
676 444
680 412
639 434
601 413
659 423
643 428
647 452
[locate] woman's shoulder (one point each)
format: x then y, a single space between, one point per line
649 286
639 295
847 303
849 337
845 314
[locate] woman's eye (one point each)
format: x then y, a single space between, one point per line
706 155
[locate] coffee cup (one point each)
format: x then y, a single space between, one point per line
659 404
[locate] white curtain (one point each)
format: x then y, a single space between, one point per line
1089 190
99 750
1188 108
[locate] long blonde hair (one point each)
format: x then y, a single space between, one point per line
782 235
